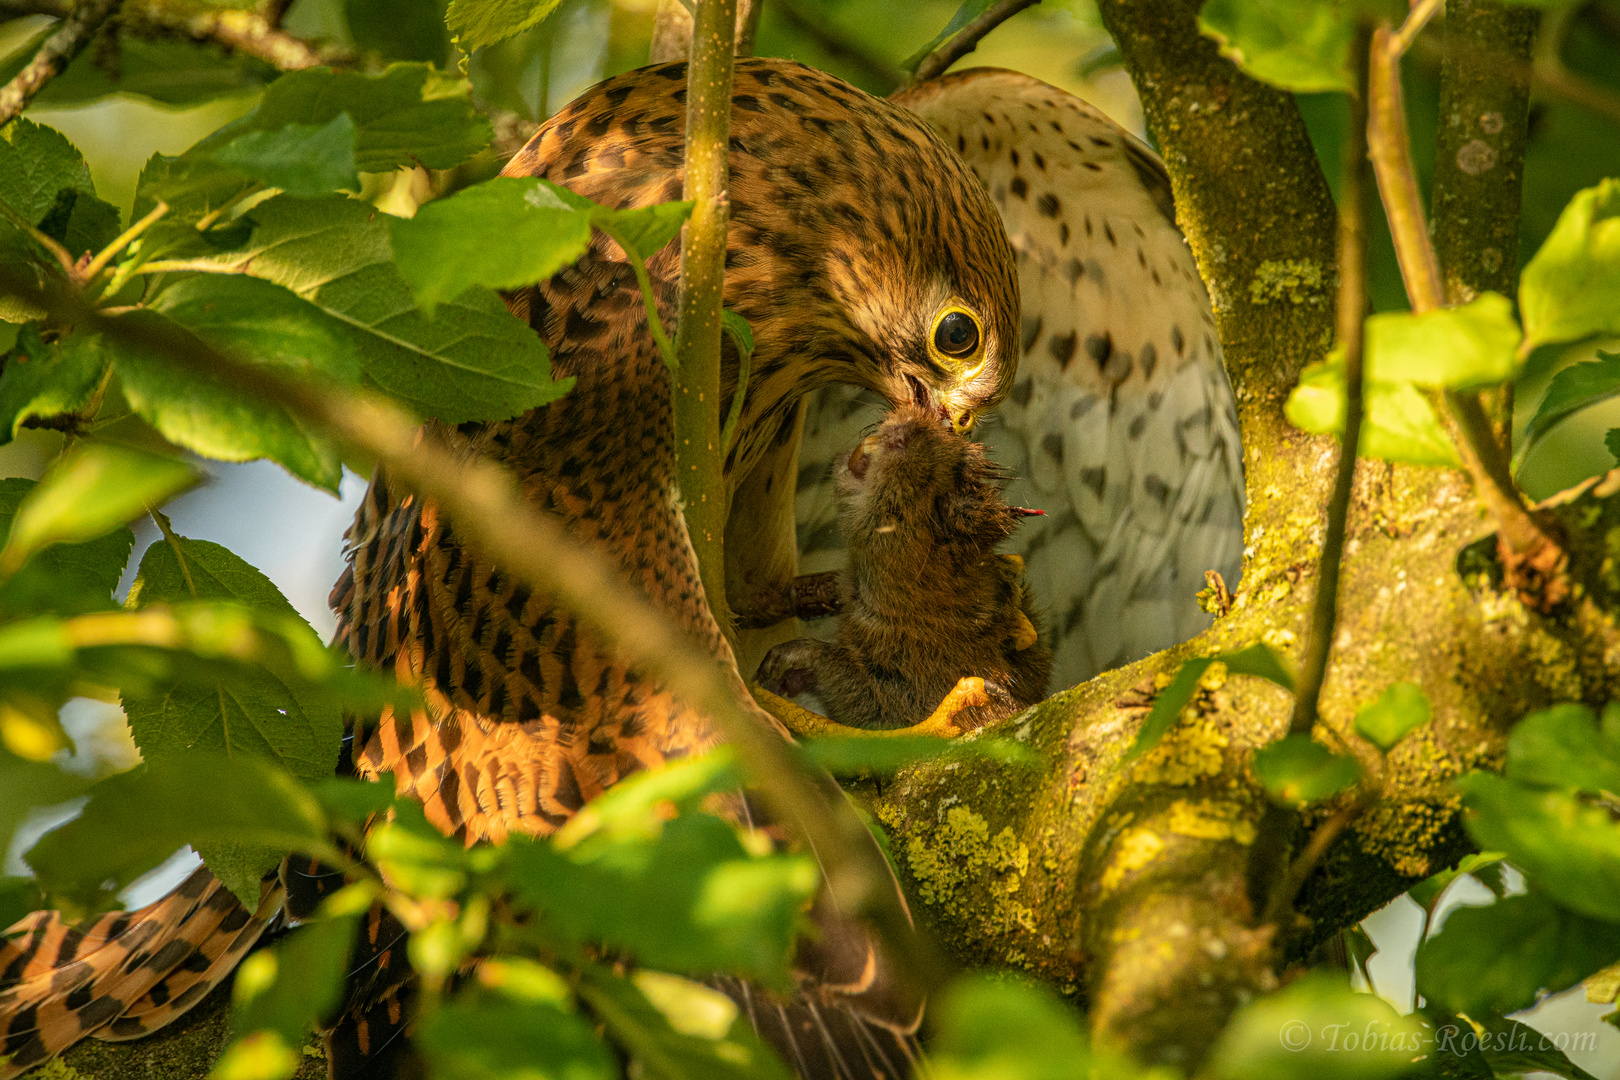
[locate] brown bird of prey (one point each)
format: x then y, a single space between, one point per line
1121 424
862 250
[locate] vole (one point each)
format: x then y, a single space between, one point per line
926 599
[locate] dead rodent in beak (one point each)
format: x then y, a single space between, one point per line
926 599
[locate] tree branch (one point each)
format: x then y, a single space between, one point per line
967 39
54 55
699 455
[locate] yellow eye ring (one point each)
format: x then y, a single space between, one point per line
956 339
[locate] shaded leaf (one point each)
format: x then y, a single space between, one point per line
964 14
88 494
992 1027
1485 866
165 71
1577 387
1297 769
24 787
82 222
399 29
136 820
44 380
502 233
1500 958
1258 659
476 23
1320 1028
480 1035
1399 711
1561 747
37 162
471 360
1568 848
1571 289
1512 1049
300 159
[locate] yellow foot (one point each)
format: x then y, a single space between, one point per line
966 694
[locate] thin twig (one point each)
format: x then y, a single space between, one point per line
967 39
54 55
487 508
44 240
1282 898
699 456
1528 544
1352 311
124 239
839 45
1416 20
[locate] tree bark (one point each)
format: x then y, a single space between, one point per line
1125 886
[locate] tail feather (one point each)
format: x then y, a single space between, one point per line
121 975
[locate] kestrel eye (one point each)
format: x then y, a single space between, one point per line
956 334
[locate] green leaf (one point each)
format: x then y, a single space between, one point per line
1577 387
1297 769
1611 442
36 163
45 380
255 322
479 1035
1397 425
1567 847
416 857
26 786
644 230
1502 957
1484 866
408 115
1399 711
66 579
1571 289
1453 348
1561 747
1513 1049
741 334
82 222
258 713
1259 660
502 233
89 494
1320 1028
300 159
399 29
136 820
470 360
999 1027
1299 45
292 987
476 23
168 72
19 896
665 1053
691 898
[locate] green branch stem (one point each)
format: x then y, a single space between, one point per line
487 508
699 456
638 265
49 243
124 239
57 52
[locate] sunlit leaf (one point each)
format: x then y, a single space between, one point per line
1500 958
1299 45
1571 289
36 163
298 982
471 360
479 1035
1398 423
994 1027
89 494
66 579
500 234
1454 348
1297 769
1320 1028
1398 711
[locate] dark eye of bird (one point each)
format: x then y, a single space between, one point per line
957 334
